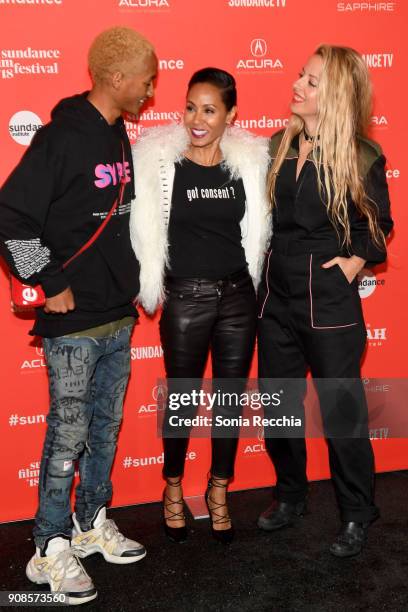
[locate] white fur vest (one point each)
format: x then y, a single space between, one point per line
154 155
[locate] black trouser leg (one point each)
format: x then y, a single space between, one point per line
232 346
185 331
280 357
335 363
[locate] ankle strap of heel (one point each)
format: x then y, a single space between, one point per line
174 484
216 517
216 482
168 503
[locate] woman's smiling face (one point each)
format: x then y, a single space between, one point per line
205 115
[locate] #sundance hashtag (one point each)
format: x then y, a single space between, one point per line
127 462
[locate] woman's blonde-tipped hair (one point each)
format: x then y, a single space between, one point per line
116 49
344 102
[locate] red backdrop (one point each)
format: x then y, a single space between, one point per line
264 43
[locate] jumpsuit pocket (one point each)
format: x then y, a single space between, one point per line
334 302
341 274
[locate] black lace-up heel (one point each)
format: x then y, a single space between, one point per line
222 535
176 534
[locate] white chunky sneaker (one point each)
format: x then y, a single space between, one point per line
105 538
59 566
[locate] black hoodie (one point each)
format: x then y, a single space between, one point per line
54 201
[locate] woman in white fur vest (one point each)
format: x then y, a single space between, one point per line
199 227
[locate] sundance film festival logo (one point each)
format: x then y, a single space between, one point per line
370 7
260 61
28 62
156 117
256 3
23 125
30 474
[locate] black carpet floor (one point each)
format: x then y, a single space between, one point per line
289 570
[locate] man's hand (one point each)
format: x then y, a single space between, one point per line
60 303
350 266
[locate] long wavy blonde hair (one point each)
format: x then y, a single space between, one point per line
344 109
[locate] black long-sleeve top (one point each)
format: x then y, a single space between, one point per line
55 200
301 213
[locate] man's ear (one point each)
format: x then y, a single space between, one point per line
116 79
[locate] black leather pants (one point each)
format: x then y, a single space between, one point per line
199 316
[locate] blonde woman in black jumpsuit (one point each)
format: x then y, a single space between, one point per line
331 215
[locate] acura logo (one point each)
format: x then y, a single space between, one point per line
258 47
159 393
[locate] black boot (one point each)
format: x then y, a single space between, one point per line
282 514
350 540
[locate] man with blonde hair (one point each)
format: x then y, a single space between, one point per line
70 196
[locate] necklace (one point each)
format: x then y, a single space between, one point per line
309 138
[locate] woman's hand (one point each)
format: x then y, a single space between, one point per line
350 266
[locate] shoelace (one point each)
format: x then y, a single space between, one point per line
110 531
66 565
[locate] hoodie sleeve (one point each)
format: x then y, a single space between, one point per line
377 190
25 199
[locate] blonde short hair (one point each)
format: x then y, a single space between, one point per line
115 50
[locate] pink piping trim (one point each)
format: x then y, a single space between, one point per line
267 286
311 305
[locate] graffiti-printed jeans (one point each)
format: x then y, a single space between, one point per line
87 380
